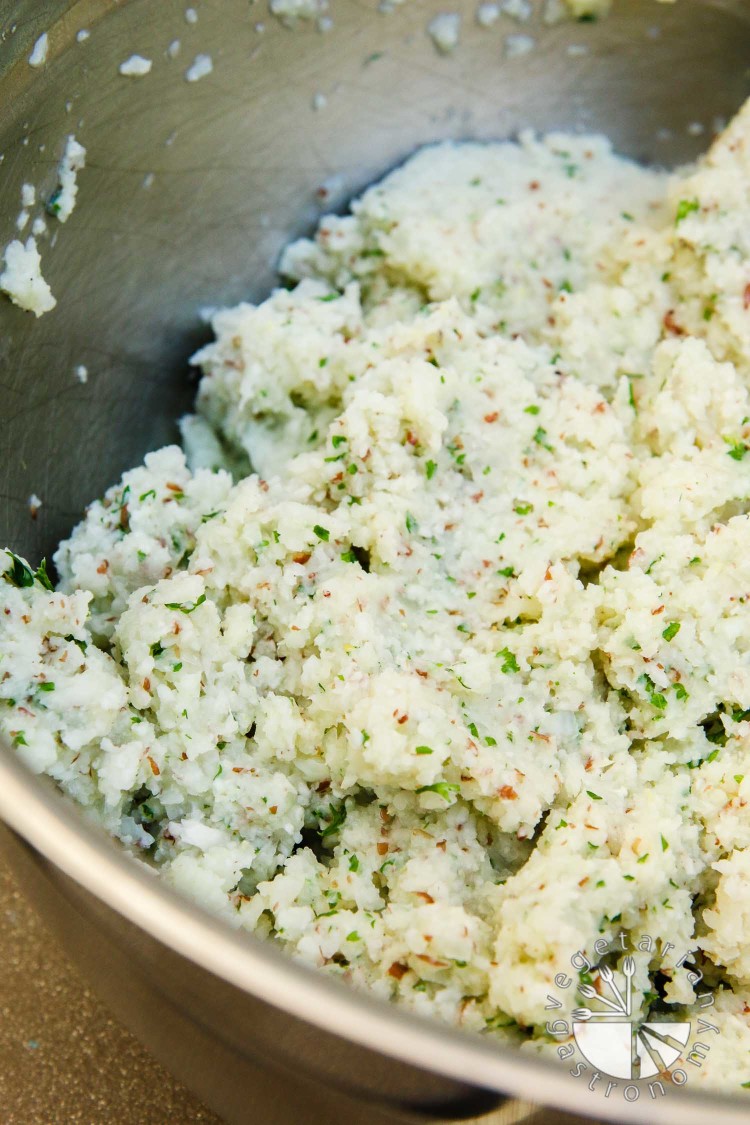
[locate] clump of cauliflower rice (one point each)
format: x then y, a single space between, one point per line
455 681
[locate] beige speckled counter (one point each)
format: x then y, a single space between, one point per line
62 1058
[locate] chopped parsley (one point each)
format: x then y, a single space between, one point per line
444 789
684 208
187 607
21 575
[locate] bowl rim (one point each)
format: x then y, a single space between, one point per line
55 828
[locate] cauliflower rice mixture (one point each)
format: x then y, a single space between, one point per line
456 680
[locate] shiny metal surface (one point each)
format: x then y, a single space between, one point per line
189 193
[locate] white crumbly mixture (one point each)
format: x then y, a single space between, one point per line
201 66
22 279
292 12
445 31
457 682
135 67
63 200
38 56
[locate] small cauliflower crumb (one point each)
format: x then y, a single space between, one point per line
38 56
289 12
520 10
81 373
201 66
488 14
34 504
445 31
22 278
135 67
63 199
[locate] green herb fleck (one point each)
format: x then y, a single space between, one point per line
338 816
684 208
188 607
443 789
510 664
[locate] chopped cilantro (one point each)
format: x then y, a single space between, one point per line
737 449
21 575
444 789
188 607
510 664
338 816
684 208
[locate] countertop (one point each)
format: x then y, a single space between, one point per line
63 1059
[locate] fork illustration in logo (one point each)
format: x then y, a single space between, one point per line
610 1041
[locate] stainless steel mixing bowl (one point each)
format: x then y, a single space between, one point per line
189 193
